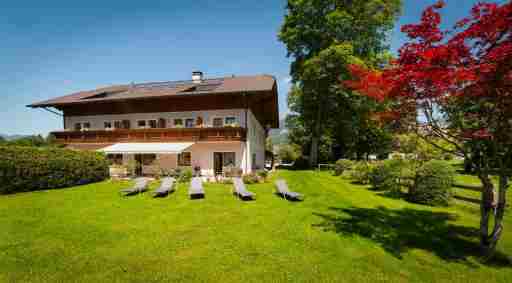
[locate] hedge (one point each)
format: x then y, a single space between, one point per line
24 169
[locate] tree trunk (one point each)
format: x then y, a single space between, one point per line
315 139
489 207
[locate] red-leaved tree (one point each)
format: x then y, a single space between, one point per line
459 81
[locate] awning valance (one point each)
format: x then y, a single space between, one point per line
150 148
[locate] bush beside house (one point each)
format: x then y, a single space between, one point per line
25 169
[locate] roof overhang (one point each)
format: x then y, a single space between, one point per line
146 148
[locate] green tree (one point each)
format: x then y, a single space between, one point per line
288 153
321 36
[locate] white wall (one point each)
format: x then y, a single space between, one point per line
201 154
97 121
255 142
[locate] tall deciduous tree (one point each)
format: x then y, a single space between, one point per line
321 35
461 82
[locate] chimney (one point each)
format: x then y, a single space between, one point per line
197 76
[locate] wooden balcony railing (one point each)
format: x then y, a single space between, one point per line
152 135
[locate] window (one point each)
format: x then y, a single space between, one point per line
118 125
141 123
178 123
152 124
189 123
126 124
148 159
218 123
231 121
107 125
162 123
184 159
115 159
82 126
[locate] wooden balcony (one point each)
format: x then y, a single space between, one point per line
152 135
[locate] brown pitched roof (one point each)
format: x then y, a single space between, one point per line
239 84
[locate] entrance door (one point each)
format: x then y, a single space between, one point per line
221 160
217 163
142 160
138 164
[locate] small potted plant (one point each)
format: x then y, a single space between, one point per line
199 122
197 170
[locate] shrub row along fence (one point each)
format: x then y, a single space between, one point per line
25 169
428 183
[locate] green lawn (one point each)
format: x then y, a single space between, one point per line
340 233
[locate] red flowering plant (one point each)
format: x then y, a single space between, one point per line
459 81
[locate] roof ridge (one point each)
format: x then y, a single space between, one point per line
206 79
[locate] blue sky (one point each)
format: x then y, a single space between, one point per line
56 47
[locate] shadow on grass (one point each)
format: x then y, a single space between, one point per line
393 195
467 199
399 230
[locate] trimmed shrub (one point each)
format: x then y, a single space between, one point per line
288 153
263 174
341 166
433 184
361 171
24 169
185 175
386 175
250 178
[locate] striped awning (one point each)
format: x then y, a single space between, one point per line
150 148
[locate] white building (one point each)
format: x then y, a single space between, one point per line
209 124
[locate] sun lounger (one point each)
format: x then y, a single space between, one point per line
141 185
196 188
240 189
166 187
282 190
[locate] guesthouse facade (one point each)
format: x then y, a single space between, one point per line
208 125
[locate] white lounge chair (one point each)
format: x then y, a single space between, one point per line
240 189
196 188
141 185
166 187
282 190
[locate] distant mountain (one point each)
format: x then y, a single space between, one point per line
13 137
